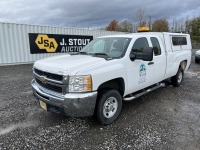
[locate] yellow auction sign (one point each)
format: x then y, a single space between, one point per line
57 43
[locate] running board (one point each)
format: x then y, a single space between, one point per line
132 97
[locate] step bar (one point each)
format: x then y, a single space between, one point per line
132 97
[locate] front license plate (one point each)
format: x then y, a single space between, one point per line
43 104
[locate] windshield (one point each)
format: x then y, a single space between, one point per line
114 47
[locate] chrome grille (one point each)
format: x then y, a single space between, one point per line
48 86
48 75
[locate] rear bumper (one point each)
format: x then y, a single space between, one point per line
71 104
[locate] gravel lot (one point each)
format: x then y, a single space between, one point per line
168 118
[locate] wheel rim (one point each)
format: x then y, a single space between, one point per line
110 107
180 77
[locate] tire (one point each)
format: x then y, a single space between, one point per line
196 61
178 78
109 106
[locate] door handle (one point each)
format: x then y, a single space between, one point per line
151 63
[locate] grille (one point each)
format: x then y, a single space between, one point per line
49 86
49 75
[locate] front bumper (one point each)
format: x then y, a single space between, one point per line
71 104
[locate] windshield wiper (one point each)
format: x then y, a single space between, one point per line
102 54
97 54
84 53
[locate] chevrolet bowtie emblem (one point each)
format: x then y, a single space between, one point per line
42 78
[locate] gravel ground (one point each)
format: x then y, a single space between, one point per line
168 118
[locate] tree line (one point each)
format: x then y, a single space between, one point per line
187 25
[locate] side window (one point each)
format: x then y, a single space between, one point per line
139 45
156 46
179 41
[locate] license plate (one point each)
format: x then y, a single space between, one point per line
43 104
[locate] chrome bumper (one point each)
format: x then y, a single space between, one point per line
71 104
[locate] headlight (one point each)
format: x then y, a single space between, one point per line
80 83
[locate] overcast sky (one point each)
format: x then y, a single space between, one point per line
92 13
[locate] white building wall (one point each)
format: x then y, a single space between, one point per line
14 41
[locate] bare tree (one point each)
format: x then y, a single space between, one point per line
179 25
125 26
188 26
141 16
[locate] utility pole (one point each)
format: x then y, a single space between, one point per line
149 22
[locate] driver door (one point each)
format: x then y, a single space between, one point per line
140 73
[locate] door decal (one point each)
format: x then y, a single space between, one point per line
142 74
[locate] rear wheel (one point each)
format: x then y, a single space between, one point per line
196 61
178 78
109 106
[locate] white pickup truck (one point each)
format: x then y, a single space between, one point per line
108 70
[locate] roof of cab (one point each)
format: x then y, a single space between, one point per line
131 35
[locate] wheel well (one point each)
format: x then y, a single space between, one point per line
183 64
117 84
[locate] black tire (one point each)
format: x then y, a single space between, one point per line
196 61
112 100
178 78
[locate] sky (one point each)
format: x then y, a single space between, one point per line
92 13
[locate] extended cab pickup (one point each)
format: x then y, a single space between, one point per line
108 70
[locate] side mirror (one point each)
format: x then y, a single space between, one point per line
132 56
147 54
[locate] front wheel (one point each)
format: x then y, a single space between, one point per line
109 106
178 78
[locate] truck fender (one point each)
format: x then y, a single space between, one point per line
117 83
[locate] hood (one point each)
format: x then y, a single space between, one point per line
67 64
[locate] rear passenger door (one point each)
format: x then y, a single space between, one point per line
159 58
